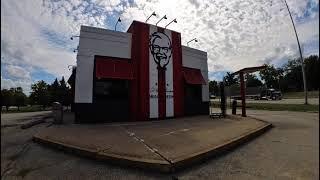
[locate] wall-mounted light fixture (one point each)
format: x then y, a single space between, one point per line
75 50
73 37
194 39
175 20
164 17
153 14
115 27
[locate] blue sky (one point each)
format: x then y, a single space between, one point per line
36 43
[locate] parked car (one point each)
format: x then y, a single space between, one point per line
271 94
212 96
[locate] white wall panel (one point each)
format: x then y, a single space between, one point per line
103 42
84 79
96 41
153 82
197 59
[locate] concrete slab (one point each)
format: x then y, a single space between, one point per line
162 145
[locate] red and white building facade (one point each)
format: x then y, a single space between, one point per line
142 74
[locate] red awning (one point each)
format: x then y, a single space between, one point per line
193 76
113 68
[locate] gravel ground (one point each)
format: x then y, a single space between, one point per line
288 151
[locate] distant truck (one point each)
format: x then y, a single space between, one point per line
266 94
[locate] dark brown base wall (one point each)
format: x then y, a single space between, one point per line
118 111
111 111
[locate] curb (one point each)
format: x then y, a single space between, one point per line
218 150
164 166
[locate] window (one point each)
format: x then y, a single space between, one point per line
111 89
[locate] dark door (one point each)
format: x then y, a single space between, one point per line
111 100
193 99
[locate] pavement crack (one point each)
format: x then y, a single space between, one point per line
154 150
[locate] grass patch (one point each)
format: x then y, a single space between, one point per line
299 95
277 107
25 109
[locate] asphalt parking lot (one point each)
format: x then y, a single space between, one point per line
288 151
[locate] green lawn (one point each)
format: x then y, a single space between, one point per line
298 95
25 109
284 107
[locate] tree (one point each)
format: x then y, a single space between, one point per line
271 76
213 87
293 79
40 93
20 98
64 92
312 72
54 89
7 98
13 97
230 79
252 80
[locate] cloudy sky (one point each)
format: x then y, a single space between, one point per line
36 45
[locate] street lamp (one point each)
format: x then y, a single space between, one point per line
153 14
175 20
164 17
115 27
194 39
301 58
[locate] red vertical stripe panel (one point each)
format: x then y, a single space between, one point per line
144 70
178 81
134 83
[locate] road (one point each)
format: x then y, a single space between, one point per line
19 118
290 150
282 101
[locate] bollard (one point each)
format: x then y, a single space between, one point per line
234 106
57 110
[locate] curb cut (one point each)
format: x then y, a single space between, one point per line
163 166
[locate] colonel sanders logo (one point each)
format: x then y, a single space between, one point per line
160 47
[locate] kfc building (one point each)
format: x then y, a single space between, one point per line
139 75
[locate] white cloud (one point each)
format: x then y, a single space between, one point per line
236 34
18 72
9 83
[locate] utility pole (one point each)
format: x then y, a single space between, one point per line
301 58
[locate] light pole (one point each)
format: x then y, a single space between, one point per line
301 58
194 39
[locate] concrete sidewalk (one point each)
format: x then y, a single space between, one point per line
164 145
